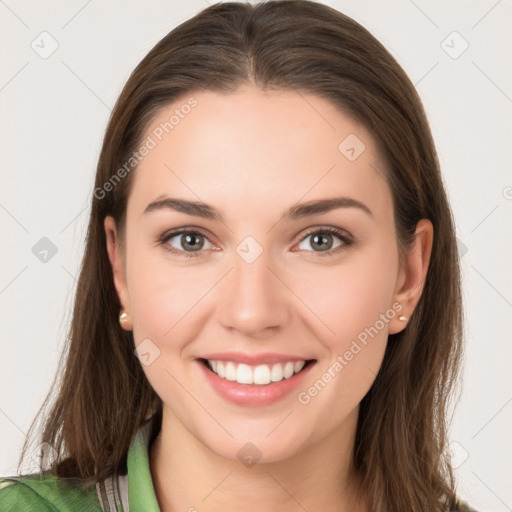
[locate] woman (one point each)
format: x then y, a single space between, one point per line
268 314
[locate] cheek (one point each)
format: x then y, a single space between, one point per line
162 296
167 310
357 312
354 304
350 297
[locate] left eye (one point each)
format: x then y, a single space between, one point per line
323 241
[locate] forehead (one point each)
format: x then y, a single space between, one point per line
251 149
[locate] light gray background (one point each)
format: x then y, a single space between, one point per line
54 112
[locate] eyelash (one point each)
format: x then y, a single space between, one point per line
347 241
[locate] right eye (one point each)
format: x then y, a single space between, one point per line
188 243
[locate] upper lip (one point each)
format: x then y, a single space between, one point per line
253 359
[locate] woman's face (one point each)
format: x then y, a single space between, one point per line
262 275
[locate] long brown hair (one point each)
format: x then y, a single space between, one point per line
102 395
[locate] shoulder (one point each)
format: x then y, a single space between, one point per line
462 506
47 493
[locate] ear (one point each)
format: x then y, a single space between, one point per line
117 263
411 279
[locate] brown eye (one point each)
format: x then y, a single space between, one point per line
191 241
185 243
323 241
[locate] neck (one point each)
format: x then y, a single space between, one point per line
187 475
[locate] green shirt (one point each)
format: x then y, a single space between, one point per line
133 492
121 493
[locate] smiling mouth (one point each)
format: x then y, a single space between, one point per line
261 375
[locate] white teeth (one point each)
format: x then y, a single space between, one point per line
288 370
298 366
220 368
277 373
230 371
262 375
244 374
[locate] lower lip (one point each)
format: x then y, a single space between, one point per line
254 395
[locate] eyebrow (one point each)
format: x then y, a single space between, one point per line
296 212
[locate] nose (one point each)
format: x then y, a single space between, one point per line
254 299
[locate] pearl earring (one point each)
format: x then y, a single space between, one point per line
402 318
122 318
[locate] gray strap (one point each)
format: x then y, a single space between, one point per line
108 494
102 496
123 491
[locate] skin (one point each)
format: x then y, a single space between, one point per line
252 155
